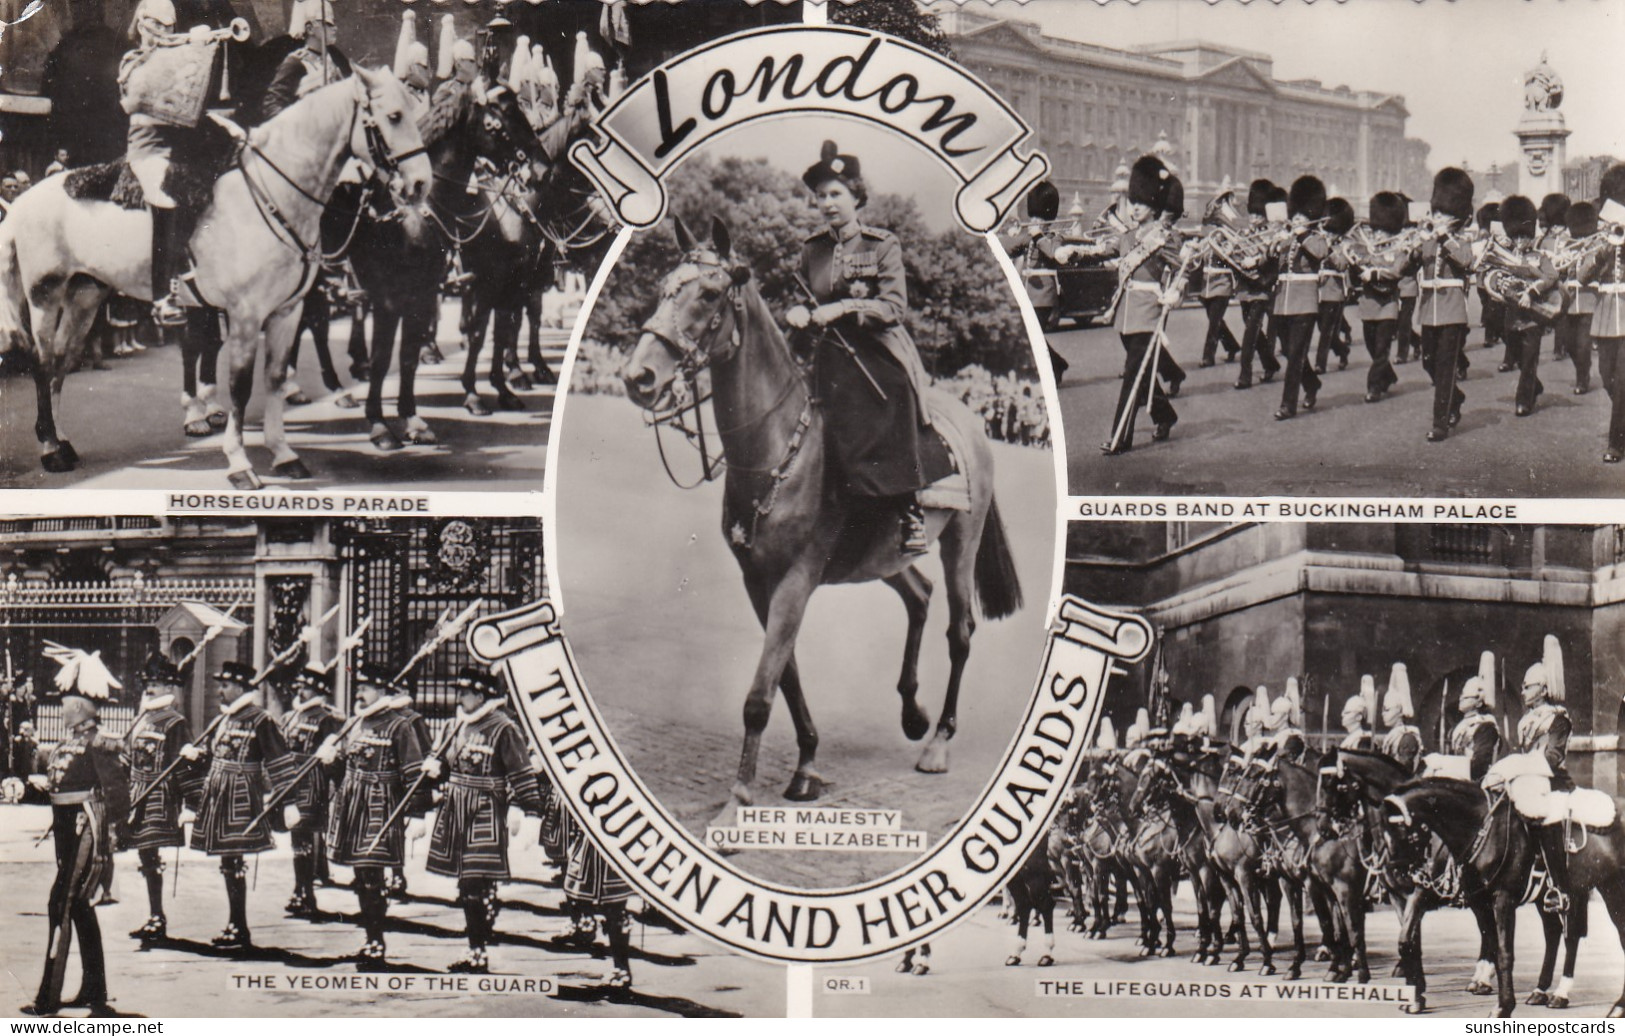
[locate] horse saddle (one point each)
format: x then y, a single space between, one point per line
943 451
189 180
1528 783
1438 764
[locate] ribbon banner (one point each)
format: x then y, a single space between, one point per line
676 872
771 73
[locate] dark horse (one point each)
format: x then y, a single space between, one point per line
1497 851
788 531
1181 788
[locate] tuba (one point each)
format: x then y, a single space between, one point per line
1507 277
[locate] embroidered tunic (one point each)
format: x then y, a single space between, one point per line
487 769
248 760
382 757
153 742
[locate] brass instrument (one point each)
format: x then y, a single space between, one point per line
238 31
1576 252
168 81
1507 277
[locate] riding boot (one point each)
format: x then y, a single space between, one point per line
915 540
166 311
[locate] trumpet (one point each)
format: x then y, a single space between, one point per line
238 31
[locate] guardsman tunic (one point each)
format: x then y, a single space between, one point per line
1479 739
248 760
1141 304
1379 296
1403 744
487 769
153 742
1218 280
1542 275
1360 740
1039 269
1443 268
590 878
1606 270
381 758
1334 276
1545 729
304 728
1297 289
1288 743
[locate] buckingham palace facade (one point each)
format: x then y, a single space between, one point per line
1215 112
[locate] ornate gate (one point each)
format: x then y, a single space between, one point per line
406 573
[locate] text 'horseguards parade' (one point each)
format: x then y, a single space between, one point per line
279 187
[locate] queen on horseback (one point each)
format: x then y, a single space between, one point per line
868 372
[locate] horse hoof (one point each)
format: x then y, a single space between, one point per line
476 406
1477 988
922 969
1145 951
915 722
1617 1011
1539 998
1166 951
1322 955
197 429
1198 958
903 967
69 454
244 480
294 469
1046 961
1364 978
935 757
1012 961
1266 969
509 401
1558 1003
347 401
217 419
54 463
1294 973
804 787
1399 972
1235 966
1417 1007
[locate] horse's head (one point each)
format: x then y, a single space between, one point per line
387 135
504 134
696 322
1157 783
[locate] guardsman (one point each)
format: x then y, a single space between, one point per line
1405 344
1579 298
247 760
1034 247
1254 294
90 797
305 727
592 886
1297 293
1381 262
376 767
1488 223
1148 255
1284 724
1603 265
1219 278
1477 736
152 745
1358 716
1334 287
314 65
1550 237
1403 741
489 787
1522 328
1443 265
1546 724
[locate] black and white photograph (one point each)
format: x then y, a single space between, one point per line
254 770
267 241
1410 206
804 450
1361 760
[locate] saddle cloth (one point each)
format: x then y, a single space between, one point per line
189 181
1528 783
951 491
1438 764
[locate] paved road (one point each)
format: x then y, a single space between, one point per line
125 423
1227 441
968 976
675 974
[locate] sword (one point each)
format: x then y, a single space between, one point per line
307 637
845 346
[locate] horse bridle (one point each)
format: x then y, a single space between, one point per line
692 355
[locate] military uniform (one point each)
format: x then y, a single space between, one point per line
305 726
1297 305
1334 293
406 707
1479 739
152 744
1218 288
1403 744
1253 294
1359 740
302 72
1545 730
1605 274
1289 744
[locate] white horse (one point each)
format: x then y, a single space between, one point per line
256 247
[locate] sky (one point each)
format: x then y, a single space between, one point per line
1459 65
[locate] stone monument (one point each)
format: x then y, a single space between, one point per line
1542 133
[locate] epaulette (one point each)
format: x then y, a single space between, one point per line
879 233
815 235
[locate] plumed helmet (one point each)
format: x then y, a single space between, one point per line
313 679
1554 210
1260 710
159 674
76 710
404 41
480 681
832 165
1581 219
519 64
1258 195
1368 693
1472 693
446 44
1357 706
1339 216
1148 182
1453 193
1489 212
542 74
1486 676
1612 187
1386 212
1140 728
1187 713
1518 216
231 671
1043 201
1288 708
1307 198
306 12
587 60
1552 656
1107 737
1398 695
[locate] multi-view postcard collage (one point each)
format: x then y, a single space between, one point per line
578 509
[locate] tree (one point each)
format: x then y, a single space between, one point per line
901 18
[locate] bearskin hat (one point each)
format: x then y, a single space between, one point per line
1258 195
1339 216
832 165
1387 212
1173 198
1148 182
1043 201
1453 193
159 672
1581 219
1307 198
1278 195
1489 212
1554 210
1612 187
1518 216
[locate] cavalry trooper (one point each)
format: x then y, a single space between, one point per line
1476 736
1357 717
1252 724
401 701
1546 725
1284 724
152 745
248 760
90 796
314 65
1403 741
305 726
412 66
488 779
376 766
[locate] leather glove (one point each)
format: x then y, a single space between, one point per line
798 317
516 820
1064 254
328 753
828 313
39 782
415 829
291 816
187 817
1171 299
432 768
191 753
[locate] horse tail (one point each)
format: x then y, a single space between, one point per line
13 326
998 587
